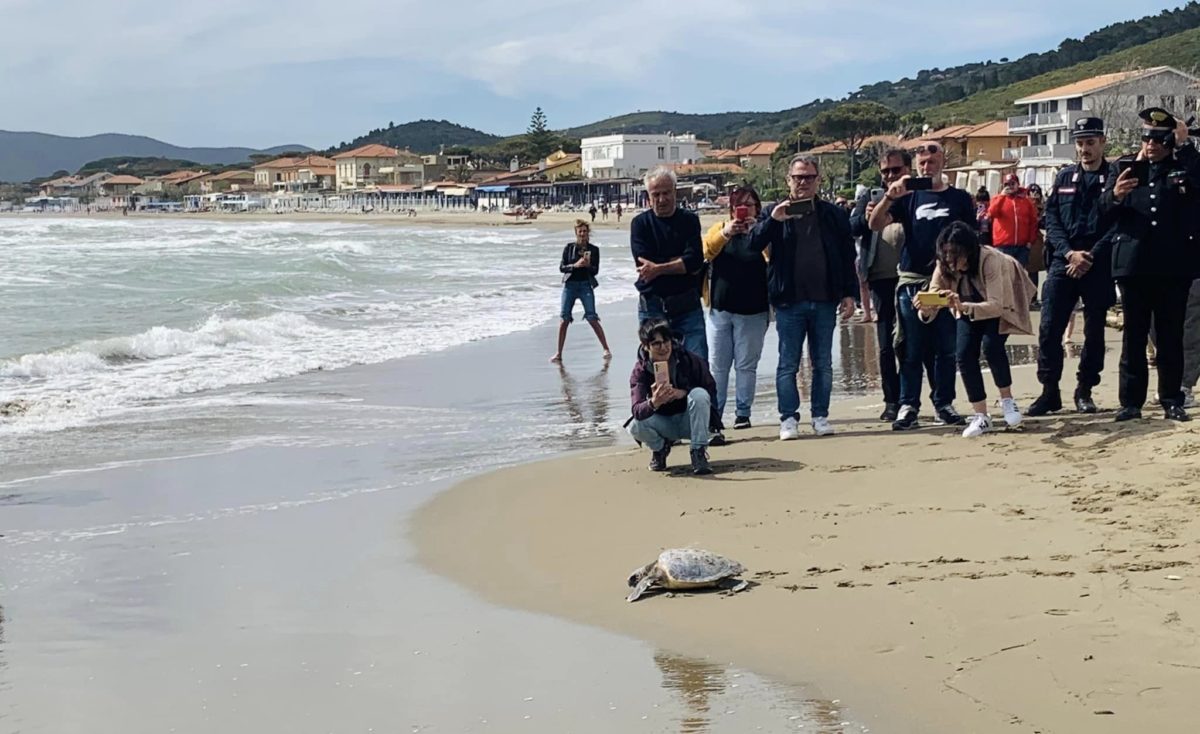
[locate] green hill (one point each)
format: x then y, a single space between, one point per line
422 136
722 128
1181 50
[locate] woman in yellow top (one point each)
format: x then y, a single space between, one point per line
737 298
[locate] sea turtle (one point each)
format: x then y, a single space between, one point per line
684 568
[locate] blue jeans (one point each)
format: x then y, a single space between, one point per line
795 323
659 431
736 340
578 290
984 335
689 327
942 335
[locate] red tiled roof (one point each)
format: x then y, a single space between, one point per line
124 180
372 150
767 147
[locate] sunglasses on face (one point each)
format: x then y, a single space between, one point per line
803 177
893 171
930 148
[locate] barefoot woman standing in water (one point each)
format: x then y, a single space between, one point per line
580 265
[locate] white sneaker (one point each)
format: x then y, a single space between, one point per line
821 426
979 424
1012 414
789 430
1189 400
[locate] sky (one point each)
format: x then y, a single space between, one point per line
261 73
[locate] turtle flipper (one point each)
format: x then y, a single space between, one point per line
646 582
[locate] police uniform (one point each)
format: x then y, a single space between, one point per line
1153 260
1074 223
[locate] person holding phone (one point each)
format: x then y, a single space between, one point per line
1154 258
923 206
739 313
989 293
810 275
580 265
674 397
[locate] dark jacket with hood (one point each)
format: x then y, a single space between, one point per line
834 224
688 371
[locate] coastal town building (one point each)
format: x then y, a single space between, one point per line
296 173
371 165
630 156
84 188
118 189
228 181
1048 115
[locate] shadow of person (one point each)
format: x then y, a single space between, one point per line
587 405
696 682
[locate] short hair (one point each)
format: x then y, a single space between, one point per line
658 172
904 156
653 327
744 196
807 159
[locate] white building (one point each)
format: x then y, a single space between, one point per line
630 156
1116 98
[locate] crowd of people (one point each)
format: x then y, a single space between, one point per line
947 275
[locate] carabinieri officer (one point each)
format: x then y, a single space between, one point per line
1078 243
1154 257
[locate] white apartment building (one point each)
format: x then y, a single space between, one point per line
630 156
1116 98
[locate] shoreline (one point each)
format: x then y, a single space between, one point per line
1037 578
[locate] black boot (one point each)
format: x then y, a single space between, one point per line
700 462
1049 401
658 459
1128 413
890 411
1174 411
1083 401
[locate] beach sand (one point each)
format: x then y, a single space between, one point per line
1038 581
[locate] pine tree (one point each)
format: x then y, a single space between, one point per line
539 140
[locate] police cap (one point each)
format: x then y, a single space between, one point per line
1157 117
1087 127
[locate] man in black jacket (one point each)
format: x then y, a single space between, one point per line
810 273
1078 240
1153 258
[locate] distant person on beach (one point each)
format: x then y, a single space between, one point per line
665 242
592 211
604 211
1014 219
880 255
810 274
1079 241
989 293
982 201
580 265
923 210
674 397
738 314
1154 258
619 211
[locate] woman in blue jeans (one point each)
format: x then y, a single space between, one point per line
738 316
989 292
580 265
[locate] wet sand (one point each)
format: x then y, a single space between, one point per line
266 582
1037 580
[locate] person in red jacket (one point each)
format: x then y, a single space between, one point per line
1014 219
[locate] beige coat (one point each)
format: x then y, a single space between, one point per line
1005 286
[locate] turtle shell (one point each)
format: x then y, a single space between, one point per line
684 567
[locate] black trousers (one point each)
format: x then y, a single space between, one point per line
883 298
1164 301
975 337
1059 295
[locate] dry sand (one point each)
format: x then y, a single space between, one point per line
1037 581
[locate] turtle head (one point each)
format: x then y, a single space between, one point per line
640 573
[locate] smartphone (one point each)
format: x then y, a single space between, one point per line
803 206
919 183
741 213
931 298
662 373
877 195
1141 169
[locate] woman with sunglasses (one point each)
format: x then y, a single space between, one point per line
738 314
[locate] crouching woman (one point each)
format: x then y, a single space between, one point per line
674 397
989 292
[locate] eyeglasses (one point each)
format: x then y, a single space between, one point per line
1154 138
928 148
658 344
893 171
803 177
